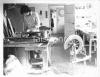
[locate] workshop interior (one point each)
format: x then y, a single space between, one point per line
42 37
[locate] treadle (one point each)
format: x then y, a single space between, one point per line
37 66
79 60
37 60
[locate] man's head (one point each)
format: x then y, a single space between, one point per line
25 10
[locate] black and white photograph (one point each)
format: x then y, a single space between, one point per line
50 39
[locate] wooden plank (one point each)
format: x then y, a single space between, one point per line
69 20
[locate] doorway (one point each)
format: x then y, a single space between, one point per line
56 18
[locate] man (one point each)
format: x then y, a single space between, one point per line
31 19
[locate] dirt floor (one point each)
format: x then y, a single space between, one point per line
61 67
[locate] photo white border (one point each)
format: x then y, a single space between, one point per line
49 2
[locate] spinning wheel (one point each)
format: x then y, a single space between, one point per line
76 46
74 40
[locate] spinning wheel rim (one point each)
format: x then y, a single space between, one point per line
71 38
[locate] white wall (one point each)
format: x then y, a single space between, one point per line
88 11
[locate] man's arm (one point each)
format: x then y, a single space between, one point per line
38 19
25 25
